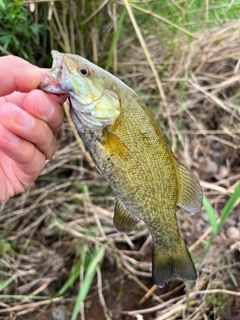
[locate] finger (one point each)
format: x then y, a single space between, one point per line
21 75
19 97
41 106
27 162
29 128
28 157
15 98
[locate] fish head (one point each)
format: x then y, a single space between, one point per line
94 103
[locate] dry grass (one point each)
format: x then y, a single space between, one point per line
62 221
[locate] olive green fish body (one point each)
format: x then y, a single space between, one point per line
142 174
132 154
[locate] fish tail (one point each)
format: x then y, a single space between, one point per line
172 264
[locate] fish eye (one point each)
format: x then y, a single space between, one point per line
84 71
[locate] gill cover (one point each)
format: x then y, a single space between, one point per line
93 104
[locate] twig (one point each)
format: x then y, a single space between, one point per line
31 305
146 52
100 294
95 12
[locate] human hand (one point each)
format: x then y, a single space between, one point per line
29 122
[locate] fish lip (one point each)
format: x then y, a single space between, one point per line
61 95
51 85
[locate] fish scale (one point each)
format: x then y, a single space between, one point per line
132 154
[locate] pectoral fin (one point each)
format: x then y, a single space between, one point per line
124 221
115 146
190 195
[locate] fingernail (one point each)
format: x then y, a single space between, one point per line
8 135
45 107
23 118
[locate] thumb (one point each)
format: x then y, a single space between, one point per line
17 74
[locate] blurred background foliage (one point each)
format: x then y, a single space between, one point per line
31 29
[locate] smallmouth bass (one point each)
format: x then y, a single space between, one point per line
132 154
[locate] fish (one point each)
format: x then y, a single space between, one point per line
132 154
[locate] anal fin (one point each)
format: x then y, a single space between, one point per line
190 195
124 221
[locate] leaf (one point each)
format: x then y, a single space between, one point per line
73 277
2 4
115 39
3 285
229 206
88 278
211 214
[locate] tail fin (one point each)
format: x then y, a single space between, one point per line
175 264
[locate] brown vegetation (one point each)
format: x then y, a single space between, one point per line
68 214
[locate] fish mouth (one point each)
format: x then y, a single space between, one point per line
51 85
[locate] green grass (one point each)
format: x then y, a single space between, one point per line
87 281
226 211
213 221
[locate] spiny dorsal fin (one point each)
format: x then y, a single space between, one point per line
190 195
124 221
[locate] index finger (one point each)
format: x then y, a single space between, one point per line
17 74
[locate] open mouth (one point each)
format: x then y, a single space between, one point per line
51 85
62 95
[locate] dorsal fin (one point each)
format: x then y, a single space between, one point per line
190 195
